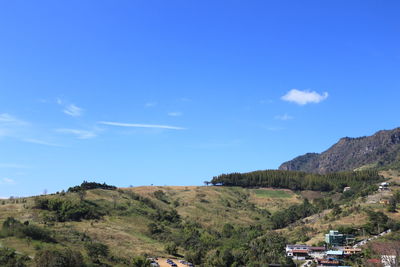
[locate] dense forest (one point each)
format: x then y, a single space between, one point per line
295 180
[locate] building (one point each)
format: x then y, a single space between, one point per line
298 252
335 254
336 239
317 252
348 251
328 262
384 201
347 188
384 186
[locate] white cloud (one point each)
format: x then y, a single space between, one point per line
150 104
138 125
39 142
284 117
175 114
80 134
304 97
73 110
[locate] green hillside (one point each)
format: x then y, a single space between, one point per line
208 225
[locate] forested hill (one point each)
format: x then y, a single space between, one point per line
295 180
377 151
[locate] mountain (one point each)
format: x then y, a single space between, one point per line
379 150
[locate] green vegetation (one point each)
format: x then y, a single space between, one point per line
13 227
91 185
292 214
8 258
300 180
67 210
272 193
59 257
209 226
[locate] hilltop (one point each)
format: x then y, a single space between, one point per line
381 150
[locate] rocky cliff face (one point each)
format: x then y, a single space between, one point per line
378 150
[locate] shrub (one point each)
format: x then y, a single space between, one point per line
67 210
8 258
59 258
13 227
140 261
171 248
160 195
96 250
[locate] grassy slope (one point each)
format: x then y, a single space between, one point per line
319 224
127 235
210 206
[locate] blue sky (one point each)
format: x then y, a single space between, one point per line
175 92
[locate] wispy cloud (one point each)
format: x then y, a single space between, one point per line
6 118
304 97
12 166
138 125
11 126
7 181
80 134
284 117
150 104
73 110
175 114
15 128
70 109
40 142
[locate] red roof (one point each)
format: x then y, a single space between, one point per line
374 261
300 251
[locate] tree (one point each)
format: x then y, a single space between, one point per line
140 261
268 248
171 248
392 205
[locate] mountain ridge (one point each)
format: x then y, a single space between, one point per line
379 150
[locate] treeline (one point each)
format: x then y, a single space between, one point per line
91 185
295 180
